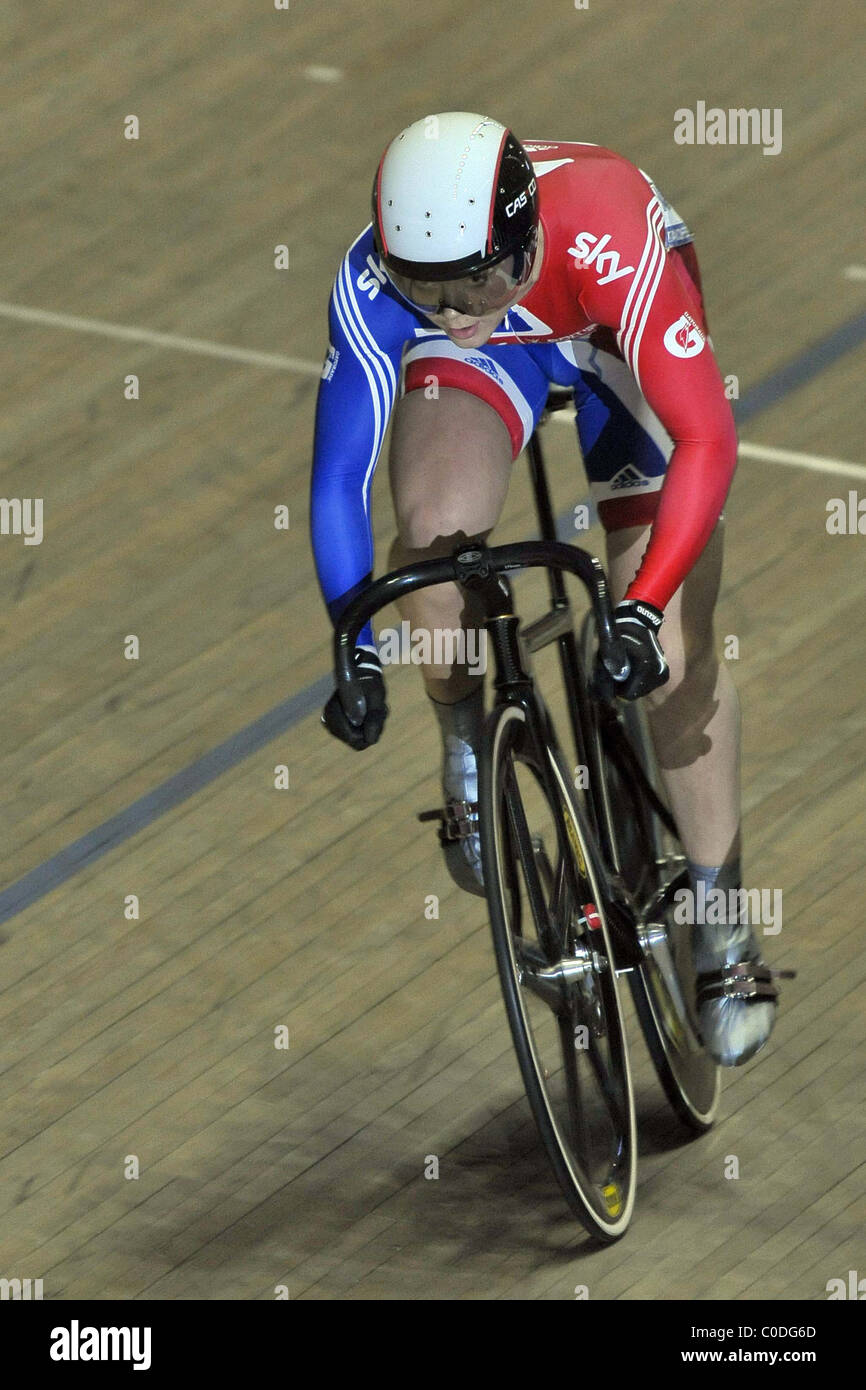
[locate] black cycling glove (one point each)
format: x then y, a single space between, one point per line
367 732
637 623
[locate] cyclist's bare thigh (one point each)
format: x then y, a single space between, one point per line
450 466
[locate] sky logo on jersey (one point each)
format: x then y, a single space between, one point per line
588 250
683 338
370 281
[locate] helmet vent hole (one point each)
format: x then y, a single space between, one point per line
428 214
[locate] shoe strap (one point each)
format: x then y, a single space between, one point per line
751 981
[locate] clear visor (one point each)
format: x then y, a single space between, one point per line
485 292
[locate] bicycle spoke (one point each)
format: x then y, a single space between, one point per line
605 1081
535 891
573 1092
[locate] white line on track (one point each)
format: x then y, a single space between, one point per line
319 74
764 454
277 362
855 272
166 340
813 462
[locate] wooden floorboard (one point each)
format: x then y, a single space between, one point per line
305 908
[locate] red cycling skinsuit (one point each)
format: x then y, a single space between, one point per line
612 285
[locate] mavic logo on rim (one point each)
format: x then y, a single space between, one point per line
571 830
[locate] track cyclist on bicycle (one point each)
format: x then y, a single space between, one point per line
491 270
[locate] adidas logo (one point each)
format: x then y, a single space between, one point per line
629 477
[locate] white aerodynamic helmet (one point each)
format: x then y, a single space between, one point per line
455 205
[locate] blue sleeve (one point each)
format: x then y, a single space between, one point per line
368 327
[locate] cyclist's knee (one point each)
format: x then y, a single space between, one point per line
450 468
430 529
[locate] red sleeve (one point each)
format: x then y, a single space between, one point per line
661 332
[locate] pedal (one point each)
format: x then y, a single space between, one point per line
458 820
437 815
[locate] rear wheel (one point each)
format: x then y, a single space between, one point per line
556 967
652 862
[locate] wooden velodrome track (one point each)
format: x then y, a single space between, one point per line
261 1167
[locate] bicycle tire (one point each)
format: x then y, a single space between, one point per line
663 985
599 1189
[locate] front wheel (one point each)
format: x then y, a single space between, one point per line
557 971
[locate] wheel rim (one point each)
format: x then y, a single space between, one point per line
663 986
564 989
667 982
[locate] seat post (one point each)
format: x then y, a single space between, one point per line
544 511
568 654
539 486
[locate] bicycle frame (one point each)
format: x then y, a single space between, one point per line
578 703
613 845
478 568
594 726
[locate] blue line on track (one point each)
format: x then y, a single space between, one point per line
163 798
809 364
172 793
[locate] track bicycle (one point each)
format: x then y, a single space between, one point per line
581 862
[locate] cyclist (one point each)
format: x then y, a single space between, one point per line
492 269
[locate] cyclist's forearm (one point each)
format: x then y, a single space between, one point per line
692 498
342 542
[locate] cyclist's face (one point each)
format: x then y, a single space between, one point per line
472 329
471 295
469 310
465 330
